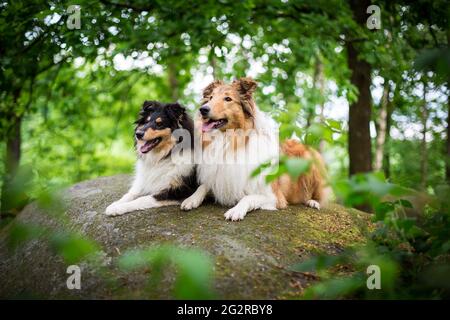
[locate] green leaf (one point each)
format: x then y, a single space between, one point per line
335 288
19 233
193 269
136 259
72 247
276 172
405 203
194 275
334 124
260 169
297 166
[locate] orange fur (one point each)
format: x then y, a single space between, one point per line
281 199
309 185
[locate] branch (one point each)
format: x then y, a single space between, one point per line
51 65
42 35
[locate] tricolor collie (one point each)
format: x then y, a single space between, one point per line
159 179
230 107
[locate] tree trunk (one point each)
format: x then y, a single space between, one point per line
320 79
318 86
359 142
387 147
13 143
424 151
11 162
382 127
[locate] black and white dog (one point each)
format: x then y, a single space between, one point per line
160 180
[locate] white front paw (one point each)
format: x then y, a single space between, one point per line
313 204
115 209
191 203
235 214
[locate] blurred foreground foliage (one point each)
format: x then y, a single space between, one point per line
412 252
192 268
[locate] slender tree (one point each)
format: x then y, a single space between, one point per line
387 146
423 145
321 88
382 126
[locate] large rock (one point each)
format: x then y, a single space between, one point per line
251 258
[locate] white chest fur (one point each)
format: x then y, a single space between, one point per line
154 175
230 182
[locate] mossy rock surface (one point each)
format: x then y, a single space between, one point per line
252 258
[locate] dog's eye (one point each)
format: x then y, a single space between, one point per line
210 98
227 99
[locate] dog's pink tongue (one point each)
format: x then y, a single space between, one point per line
208 126
145 148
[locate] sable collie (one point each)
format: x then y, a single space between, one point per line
159 180
230 107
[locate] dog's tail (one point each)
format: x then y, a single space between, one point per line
312 185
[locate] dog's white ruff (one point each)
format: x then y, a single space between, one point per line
232 184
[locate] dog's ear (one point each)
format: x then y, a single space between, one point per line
176 111
149 103
144 110
246 86
210 88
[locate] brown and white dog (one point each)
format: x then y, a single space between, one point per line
231 108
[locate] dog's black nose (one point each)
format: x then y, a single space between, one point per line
139 134
204 110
